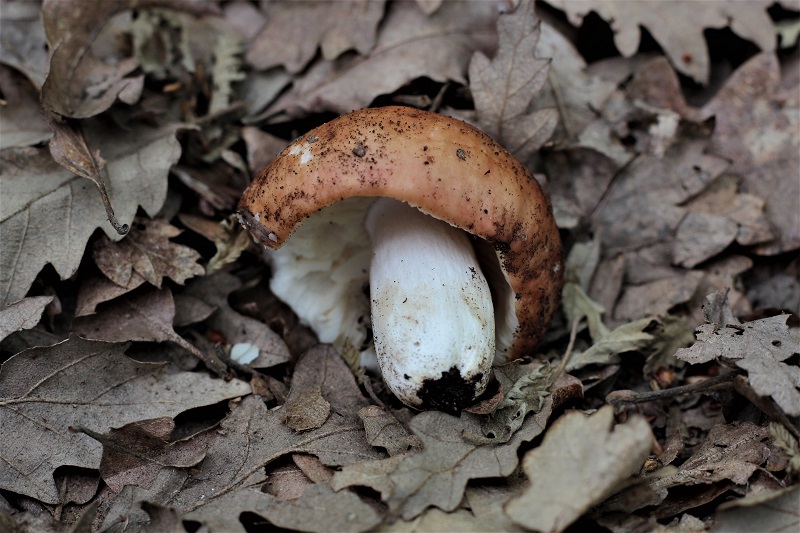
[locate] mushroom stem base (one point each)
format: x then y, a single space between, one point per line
432 313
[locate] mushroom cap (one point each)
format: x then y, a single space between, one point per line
441 165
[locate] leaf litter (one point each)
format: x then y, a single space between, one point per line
676 200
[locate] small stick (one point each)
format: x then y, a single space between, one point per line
629 396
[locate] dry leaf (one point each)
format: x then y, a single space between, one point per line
762 347
23 314
147 251
24 45
756 128
410 45
252 437
23 123
580 462
678 26
44 391
136 452
504 87
385 431
630 337
319 509
48 213
438 475
86 73
236 328
294 30
770 511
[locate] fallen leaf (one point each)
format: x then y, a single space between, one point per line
45 391
581 461
319 509
437 475
229 237
525 389
294 31
385 431
252 437
657 297
761 347
24 45
136 452
162 519
574 92
629 337
99 289
410 45
677 26
756 128
643 205
237 328
22 124
23 314
37 191
86 74
771 511
147 251
504 87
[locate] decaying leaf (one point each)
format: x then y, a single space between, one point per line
504 87
581 461
45 391
761 347
678 26
385 431
147 251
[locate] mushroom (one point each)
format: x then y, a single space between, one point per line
453 235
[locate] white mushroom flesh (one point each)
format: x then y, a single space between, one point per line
432 312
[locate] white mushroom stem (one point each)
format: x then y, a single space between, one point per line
432 313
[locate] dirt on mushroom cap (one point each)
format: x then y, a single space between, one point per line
443 166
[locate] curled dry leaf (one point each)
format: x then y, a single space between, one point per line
581 461
148 252
45 391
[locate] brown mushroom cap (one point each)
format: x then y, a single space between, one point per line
441 165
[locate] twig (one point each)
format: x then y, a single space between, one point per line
629 396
